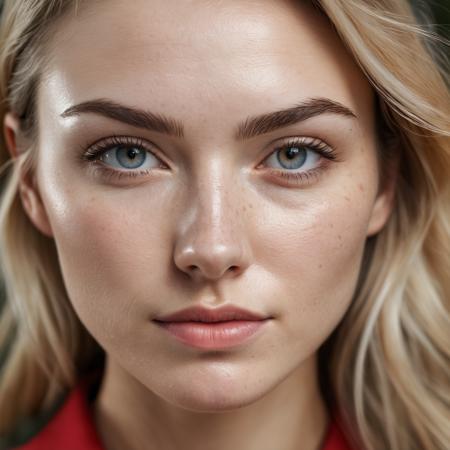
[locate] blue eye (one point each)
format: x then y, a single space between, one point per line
124 153
292 157
295 156
128 157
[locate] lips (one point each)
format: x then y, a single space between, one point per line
201 314
213 335
213 329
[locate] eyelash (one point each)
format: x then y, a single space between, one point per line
100 147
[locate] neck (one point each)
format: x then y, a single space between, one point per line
290 416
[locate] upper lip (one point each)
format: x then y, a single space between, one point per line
201 314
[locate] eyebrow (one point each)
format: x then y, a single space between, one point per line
251 127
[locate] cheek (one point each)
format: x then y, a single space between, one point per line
111 251
314 258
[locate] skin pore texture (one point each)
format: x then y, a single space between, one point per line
210 220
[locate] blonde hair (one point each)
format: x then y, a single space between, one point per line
386 366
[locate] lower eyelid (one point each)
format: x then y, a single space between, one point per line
297 178
107 173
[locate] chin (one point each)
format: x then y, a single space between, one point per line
214 394
213 400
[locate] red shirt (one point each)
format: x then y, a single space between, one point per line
73 428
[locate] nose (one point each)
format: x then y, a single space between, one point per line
212 240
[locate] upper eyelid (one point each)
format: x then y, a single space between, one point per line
294 139
318 145
100 144
104 145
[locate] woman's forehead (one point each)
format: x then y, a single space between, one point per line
226 56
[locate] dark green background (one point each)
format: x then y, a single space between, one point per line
441 12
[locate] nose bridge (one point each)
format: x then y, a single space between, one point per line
215 210
211 240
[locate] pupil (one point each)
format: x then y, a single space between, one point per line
292 152
132 153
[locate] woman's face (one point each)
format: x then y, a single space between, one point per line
206 214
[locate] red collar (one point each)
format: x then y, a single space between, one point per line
335 439
73 428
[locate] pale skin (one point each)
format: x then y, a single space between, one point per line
210 225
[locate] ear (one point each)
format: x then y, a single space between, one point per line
384 203
29 192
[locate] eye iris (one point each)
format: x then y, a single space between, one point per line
131 158
291 153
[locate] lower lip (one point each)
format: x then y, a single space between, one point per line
218 335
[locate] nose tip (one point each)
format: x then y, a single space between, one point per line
203 262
